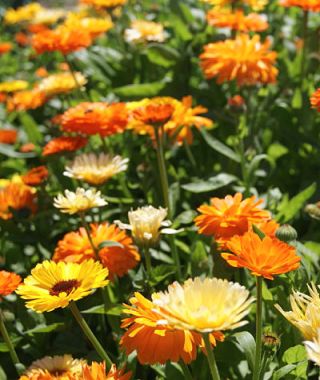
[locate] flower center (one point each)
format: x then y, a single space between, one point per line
64 287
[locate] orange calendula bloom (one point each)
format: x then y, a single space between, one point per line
64 39
22 39
236 101
93 25
246 60
263 257
8 136
154 341
104 3
306 5
315 100
26 100
35 176
237 20
119 259
96 118
5 47
230 216
17 197
27 147
8 282
97 371
64 144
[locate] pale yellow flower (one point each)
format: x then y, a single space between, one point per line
204 305
96 169
145 31
256 5
21 14
79 201
313 348
14 85
48 16
305 313
61 83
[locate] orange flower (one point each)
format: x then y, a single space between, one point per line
5 47
35 176
18 197
37 28
237 20
244 59
26 100
154 111
3 97
8 136
306 5
22 38
236 101
155 342
76 247
8 282
64 144
42 72
315 100
96 118
230 216
97 371
27 147
266 257
63 39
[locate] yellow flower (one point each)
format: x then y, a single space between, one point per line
24 13
16 178
305 313
14 85
96 169
61 83
79 201
256 5
52 285
144 31
204 305
313 348
55 367
93 25
48 16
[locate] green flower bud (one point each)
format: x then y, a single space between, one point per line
286 233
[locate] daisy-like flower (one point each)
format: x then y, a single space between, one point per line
53 285
55 368
24 13
61 83
97 371
144 31
35 176
145 224
246 60
305 312
13 86
119 259
204 305
306 5
96 118
265 257
154 341
26 100
8 136
230 216
315 100
96 169
93 25
104 3
237 20
8 282
64 144
256 5
313 348
17 197
47 16
78 201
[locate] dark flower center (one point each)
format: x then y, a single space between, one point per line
64 286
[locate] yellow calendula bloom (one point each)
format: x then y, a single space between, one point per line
48 16
21 14
96 169
16 178
61 83
79 201
55 367
204 305
145 31
13 86
53 285
305 312
104 3
256 5
93 25
313 348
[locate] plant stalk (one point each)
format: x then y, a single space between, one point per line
186 371
257 361
211 359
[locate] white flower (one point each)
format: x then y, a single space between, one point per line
144 31
313 349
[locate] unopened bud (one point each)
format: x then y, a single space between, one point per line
313 210
286 233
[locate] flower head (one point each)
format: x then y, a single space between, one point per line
256 5
55 368
64 144
79 201
47 16
8 136
35 176
8 282
96 169
306 5
315 100
93 25
305 312
204 305
119 258
266 257
61 83
104 3
144 31
13 86
313 348
24 13
244 59
26 100
96 118
97 371
53 285
5 47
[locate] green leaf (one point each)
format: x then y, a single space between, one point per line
219 146
266 294
280 373
109 243
4 347
31 127
213 183
9 151
162 55
139 90
42 328
3 375
160 272
277 150
246 344
295 354
100 309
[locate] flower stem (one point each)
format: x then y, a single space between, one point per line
256 371
147 258
7 340
186 371
211 359
305 21
89 334
87 228
72 72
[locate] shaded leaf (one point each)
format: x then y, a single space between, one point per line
213 183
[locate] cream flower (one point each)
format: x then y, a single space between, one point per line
204 305
313 348
96 169
144 31
48 16
61 83
305 313
79 201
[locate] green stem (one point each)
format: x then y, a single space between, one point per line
175 256
7 340
89 334
305 21
87 228
256 372
84 95
211 359
186 371
189 153
147 258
